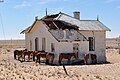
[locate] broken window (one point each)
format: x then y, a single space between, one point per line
91 43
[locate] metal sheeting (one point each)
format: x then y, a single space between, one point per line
82 24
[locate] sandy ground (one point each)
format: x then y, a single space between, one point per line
11 69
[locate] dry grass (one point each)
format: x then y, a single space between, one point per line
11 69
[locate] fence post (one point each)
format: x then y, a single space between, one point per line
65 69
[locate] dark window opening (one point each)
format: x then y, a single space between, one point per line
36 44
91 43
52 47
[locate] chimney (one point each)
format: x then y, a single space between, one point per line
76 15
36 17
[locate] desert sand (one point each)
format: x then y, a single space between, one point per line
11 69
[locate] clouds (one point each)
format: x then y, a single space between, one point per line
48 1
27 3
57 10
23 4
114 3
110 1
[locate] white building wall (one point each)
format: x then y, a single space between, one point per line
100 44
40 30
83 49
63 47
67 47
27 37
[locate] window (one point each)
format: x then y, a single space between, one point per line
52 47
30 45
91 43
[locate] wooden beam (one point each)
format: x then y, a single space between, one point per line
55 25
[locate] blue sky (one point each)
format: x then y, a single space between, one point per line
16 15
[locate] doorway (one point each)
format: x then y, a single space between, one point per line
30 45
43 44
36 44
76 49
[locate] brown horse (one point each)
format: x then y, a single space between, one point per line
50 56
66 56
35 55
18 53
15 53
93 58
27 53
41 55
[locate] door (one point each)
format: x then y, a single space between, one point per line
36 44
43 44
76 49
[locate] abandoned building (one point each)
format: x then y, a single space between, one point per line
61 33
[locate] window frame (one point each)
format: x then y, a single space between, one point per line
91 43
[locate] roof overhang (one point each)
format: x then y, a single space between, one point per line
27 30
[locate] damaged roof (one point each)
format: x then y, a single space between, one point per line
64 21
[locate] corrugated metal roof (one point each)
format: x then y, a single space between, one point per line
82 24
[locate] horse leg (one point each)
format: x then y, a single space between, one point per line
28 57
95 61
21 56
68 61
14 55
52 60
24 57
39 59
18 57
85 61
60 61
33 57
47 61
